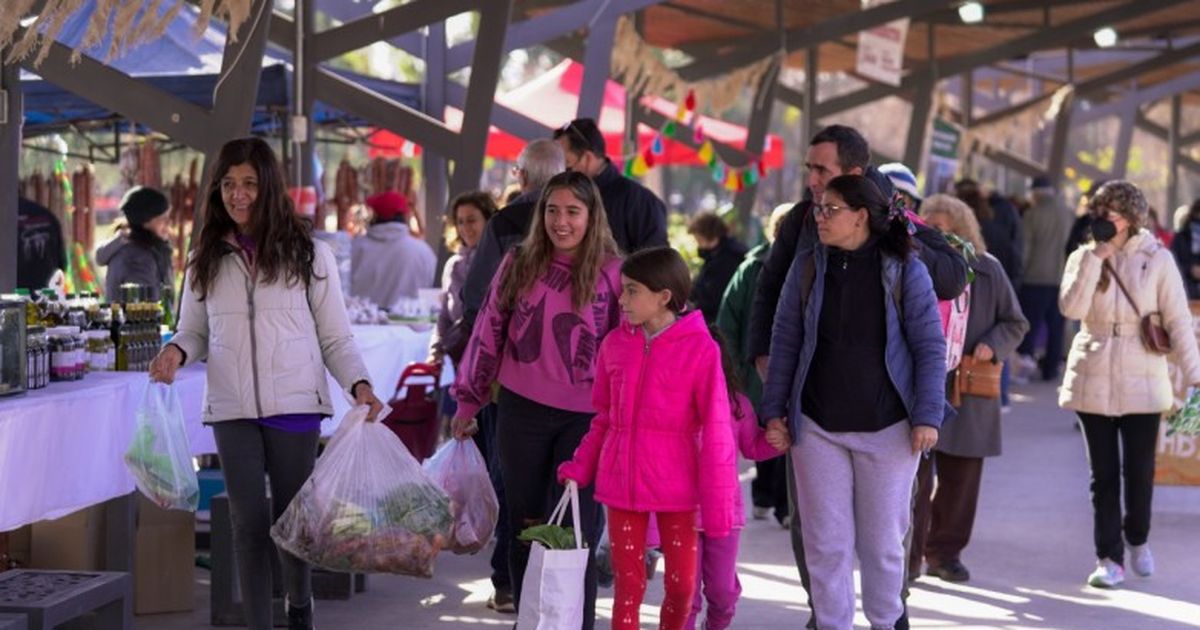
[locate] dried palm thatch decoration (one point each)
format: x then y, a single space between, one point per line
131 22
641 70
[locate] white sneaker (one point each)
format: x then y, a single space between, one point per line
760 513
1107 574
1143 560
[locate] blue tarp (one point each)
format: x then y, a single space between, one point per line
186 66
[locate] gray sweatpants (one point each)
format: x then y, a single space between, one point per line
853 494
247 450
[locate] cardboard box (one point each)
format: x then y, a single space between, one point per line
164 559
74 542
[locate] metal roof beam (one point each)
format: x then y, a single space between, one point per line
1139 97
1162 133
807 36
384 26
1021 45
350 97
552 25
1095 85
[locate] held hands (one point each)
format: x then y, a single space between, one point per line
365 395
463 428
924 438
778 435
984 352
164 366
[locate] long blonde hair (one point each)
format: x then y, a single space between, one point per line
533 258
962 219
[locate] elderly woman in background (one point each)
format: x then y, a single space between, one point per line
942 521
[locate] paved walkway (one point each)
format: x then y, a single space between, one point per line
1029 557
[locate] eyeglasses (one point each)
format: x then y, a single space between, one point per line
827 210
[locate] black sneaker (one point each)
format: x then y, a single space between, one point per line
299 618
952 571
501 601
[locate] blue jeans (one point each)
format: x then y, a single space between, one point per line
1040 306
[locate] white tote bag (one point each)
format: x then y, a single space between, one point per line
552 592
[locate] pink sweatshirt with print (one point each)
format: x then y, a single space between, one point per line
544 349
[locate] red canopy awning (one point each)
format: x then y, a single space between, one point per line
552 99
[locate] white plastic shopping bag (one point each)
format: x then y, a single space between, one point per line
367 507
458 467
552 592
159 456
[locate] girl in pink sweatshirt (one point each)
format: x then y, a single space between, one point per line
550 304
717 579
660 443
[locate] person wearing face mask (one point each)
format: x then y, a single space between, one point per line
142 253
1186 247
552 302
1117 384
857 375
722 254
262 304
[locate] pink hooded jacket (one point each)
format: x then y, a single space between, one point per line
752 443
661 440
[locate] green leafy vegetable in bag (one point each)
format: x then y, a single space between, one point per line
1186 419
552 536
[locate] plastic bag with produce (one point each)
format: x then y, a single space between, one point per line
368 507
159 457
458 467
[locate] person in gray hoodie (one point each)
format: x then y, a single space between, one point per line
1045 228
388 263
141 252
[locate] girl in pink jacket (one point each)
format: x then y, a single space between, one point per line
660 442
717 579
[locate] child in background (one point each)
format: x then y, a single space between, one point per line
717 576
660 442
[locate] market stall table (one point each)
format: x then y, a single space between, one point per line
62 447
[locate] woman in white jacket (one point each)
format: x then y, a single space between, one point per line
1118 387
262 303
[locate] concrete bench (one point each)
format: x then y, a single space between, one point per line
50 598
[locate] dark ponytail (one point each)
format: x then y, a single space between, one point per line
886 218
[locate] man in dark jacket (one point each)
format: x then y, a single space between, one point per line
722 255
835 150
638 218
40 249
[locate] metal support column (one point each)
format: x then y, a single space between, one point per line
597 63
485 75
433 101
756 135
304 98
1124 142
808 122
1060 140
922 105
1173 147
11 117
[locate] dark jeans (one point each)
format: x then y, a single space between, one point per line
485 439
769 487
942 521
247 450
1108 439
534 439
1040 305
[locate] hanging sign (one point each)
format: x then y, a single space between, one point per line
881 49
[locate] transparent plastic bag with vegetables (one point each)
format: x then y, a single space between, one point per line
458 467
1186 419
159 456
368 507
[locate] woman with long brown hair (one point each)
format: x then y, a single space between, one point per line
263 304
551 303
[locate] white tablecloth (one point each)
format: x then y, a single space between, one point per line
62 447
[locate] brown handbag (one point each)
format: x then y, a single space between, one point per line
1150 326
973 377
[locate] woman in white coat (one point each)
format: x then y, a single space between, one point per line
1119 388
263 305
